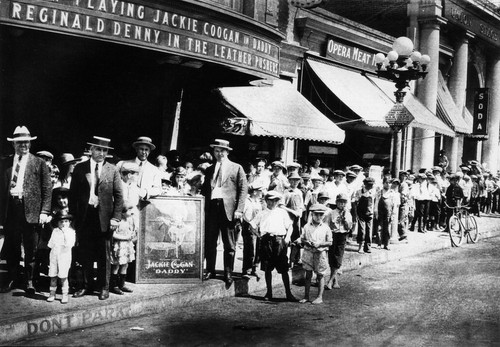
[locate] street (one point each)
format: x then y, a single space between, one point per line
449 297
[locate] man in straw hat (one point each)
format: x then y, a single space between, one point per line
149 179
96 201
25 203
225 190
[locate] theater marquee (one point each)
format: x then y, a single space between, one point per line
173 31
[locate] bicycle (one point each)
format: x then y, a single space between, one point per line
462 225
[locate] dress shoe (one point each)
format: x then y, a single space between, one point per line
7 288
80 293
30 289
104 294
229 280
208 276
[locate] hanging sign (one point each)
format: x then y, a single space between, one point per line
235 126
480 112
398 117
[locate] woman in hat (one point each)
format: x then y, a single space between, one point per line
179 181
67 164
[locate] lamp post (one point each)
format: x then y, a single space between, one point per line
402 65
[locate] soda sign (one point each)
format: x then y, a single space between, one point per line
480 112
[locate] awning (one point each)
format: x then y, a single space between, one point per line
372 98
280 111
424 118
448 111
355 91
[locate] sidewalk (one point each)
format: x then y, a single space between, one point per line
22 317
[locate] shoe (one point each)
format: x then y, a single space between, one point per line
291 298
7 288
386 248
116 290
403 238
80 293
368 250
268 296
411 229
122 286
64 300
104 294
51 297
208 276
30 289
229 280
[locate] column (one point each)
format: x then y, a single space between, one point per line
490 146
458 85
423 154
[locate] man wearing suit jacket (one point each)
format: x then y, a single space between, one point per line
25 203
225 190
96 201
149 180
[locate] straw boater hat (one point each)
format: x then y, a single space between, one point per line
21 133
221 144
45 154
144 140
100 142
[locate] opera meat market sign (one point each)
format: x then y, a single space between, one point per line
173 31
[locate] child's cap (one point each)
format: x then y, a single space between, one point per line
316 177
339 173
351 174
129 166
305 176
273 195
256 185
318 208
62 215
342 197
323 195
294 176
369 180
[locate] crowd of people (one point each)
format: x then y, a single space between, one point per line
85 211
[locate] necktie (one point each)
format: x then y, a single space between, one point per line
16 173
218 179
96 179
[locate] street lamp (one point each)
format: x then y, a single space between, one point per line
402 65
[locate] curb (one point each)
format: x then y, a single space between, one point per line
98 313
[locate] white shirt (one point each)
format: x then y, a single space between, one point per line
274 222
93 199
18 189
217 191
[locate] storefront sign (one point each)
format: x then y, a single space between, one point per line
465 19
480 112
169 248
165 29
235 126
350 55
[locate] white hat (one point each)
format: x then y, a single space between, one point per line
21 133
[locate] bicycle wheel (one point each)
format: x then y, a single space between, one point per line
473 232
456 231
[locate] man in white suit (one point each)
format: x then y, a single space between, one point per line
149 180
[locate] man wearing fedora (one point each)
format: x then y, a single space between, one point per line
96 201
149 180
25 203
225 191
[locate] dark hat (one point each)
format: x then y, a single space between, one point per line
222 144
60 191
464 168
356 167
318 208
406 173
273 195
437 168
421 175
369 180
342 196
45 154
68 159
395 181
294 176
430 175
323 195
474 177
62 215
181 170
351 174
144 140
21 133
339 172
100 142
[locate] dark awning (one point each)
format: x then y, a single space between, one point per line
280 111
